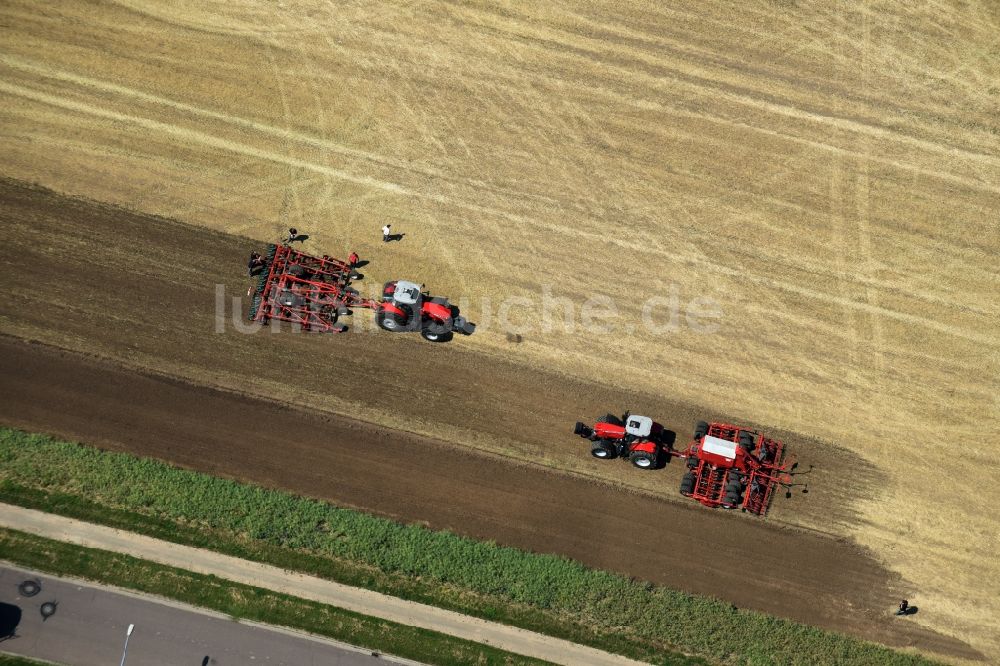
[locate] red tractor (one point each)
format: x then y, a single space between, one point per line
637 439
733 467
405 307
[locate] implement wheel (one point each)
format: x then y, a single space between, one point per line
687 484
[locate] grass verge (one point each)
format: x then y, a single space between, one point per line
7 659
543 593
251 603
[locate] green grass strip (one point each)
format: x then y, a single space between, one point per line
250 603
7 659
543 593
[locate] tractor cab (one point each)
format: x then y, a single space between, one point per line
402 292
638 426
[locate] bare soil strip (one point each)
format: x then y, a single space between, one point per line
787 572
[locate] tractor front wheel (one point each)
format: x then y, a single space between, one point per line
389 322
644 460
604 450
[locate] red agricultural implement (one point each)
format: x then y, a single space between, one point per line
637 439
311 292
314 292
733 467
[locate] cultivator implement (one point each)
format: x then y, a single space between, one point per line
307 291
734 467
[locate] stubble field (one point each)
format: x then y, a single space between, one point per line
828 177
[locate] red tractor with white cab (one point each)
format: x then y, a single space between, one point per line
638 439
406 307
733 467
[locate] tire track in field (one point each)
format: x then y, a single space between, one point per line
227 145
699 78
877 344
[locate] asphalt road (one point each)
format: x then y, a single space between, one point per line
88 629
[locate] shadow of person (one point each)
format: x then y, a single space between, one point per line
10 617
394 237
299 238
912 610
362 263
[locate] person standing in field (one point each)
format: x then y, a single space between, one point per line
256 262
386 231
293 235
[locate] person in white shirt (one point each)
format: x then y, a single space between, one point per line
385 233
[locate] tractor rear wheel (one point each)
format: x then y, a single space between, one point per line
700 430
687 484
611 419
644 460
604 450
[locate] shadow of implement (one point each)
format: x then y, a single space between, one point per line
788 489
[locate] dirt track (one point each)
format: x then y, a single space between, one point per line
807 577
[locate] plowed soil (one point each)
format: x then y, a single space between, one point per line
134 290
